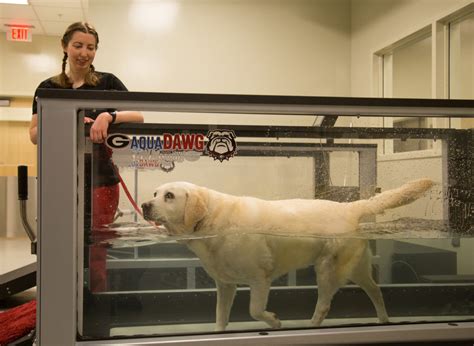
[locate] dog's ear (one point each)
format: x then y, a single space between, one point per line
211 134
195 209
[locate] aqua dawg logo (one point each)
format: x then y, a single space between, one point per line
178 141
165 150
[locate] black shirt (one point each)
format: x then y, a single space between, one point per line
104 170
107 81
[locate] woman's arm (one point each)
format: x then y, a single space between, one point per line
129 117
98 132
100 126
34 129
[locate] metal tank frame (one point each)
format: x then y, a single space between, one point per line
61 140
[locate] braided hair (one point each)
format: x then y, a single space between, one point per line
91 78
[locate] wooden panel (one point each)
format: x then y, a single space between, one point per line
16 148
467 123
22 102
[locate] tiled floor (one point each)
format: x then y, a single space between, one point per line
14 257
15 253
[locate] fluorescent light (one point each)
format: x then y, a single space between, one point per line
14 2
153 16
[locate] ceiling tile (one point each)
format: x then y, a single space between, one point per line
59 14
17 12
55 28
57 3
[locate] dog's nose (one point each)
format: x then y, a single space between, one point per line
145 205
146 208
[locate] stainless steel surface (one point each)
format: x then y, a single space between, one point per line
57 221
323 336
29 231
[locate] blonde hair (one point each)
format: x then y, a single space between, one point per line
92 78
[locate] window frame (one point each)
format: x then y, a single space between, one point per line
382 78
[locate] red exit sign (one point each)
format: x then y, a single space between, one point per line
21 34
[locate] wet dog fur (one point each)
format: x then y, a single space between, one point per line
249 241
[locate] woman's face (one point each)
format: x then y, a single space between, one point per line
81 51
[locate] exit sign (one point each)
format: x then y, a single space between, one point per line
22 34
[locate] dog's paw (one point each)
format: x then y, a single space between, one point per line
275 323
316 322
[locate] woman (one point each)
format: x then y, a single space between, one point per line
80 43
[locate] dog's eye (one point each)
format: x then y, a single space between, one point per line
169 195
154 195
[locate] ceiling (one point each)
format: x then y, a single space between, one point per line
49 17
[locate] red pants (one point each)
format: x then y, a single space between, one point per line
104 205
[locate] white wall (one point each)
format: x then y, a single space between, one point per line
23 65
298 47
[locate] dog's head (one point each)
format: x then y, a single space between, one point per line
178 206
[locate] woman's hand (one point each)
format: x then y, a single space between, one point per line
88 120
98 131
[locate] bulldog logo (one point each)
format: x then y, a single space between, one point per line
167 166
221 145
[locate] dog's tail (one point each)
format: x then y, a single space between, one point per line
405 194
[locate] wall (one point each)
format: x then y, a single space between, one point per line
299 47
24 65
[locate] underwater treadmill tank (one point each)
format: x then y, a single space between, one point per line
217 228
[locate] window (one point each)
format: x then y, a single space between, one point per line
461 58
407 74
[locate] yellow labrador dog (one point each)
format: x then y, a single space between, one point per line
253 243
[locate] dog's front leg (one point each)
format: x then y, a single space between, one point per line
225 298
258 302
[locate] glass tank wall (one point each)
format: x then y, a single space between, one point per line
145 276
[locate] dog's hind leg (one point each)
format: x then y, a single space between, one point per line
362 276
328 284
225 298
258 302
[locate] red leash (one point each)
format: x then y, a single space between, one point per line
129 195
130 198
